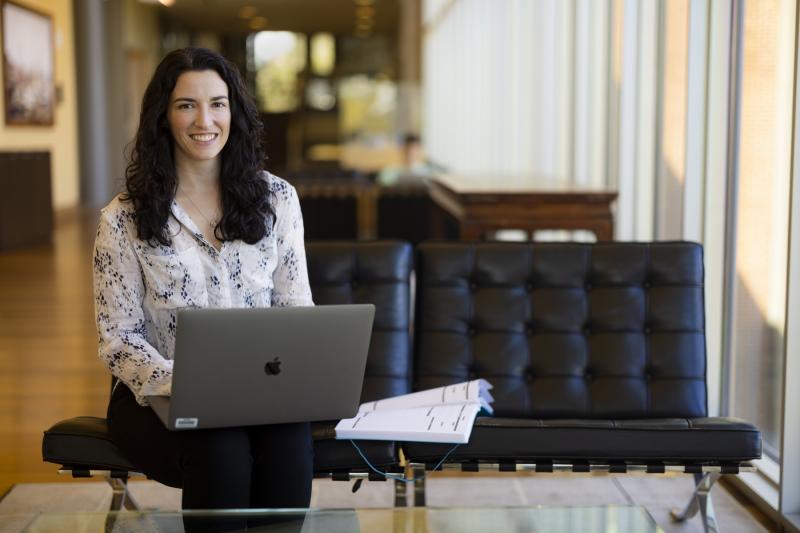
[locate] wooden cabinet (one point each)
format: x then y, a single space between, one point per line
26 209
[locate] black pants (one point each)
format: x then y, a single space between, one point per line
225 468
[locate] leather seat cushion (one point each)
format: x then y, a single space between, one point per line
340 455
84 443
680 440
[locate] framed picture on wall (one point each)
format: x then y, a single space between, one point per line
28 65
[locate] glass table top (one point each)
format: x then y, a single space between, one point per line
609 519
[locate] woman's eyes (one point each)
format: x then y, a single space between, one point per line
217 105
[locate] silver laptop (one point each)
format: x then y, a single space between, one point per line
241 367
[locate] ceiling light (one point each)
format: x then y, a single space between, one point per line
258 23
167 3
247 12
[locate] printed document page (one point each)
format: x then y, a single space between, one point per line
475 391
446 423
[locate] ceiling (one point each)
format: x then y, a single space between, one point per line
306 16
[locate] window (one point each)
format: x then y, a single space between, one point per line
279 58
671 164
758 274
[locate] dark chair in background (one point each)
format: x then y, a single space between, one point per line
329 199
339 204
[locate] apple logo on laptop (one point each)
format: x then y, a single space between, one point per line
273 368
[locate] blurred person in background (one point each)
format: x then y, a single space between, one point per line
414 168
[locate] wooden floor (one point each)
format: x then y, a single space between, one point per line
49 369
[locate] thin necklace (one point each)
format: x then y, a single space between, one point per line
213 225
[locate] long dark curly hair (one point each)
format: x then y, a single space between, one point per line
150 177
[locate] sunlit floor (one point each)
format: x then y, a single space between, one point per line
49 371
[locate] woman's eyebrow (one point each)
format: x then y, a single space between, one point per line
192 100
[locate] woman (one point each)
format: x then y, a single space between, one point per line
200 225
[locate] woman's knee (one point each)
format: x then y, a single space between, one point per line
283 445
226 449
283 437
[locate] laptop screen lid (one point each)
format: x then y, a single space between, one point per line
240 367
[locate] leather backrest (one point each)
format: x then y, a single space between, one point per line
379 273
565 330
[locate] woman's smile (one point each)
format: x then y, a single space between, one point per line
204 138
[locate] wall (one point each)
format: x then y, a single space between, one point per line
61 139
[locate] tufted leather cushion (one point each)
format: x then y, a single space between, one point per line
596 351
566 330
366 272
378 273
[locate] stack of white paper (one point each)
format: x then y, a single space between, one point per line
444 414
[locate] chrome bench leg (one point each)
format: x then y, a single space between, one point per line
400 493
700 501
419 486
120 497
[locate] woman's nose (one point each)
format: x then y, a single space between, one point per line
203 116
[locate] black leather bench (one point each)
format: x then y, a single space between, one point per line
596 352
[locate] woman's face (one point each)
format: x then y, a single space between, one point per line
199 115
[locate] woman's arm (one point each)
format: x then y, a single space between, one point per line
119 291
290 279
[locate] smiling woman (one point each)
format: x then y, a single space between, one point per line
200 225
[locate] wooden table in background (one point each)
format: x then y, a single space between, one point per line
481 206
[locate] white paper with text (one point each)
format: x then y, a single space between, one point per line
475 391
439 423
444 414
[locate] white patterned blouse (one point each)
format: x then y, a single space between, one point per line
139 288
